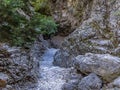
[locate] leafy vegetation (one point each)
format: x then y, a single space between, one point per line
42 6
21 21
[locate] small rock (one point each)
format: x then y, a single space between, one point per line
74 76
8 87
72 81
3 80
3 76
56 41
1 68
1 56
4 53
116 82
71 85
3 83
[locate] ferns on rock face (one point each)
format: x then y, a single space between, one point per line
20 23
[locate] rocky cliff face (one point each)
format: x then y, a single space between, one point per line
101 28
19 68
97 39
99 33
69 14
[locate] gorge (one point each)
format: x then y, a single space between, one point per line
84 54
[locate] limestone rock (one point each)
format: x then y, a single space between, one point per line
70 14
62 58
71 85
90 82
22 66
116 82
96 30
104 65
99 33
72 80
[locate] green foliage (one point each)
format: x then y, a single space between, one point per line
42 6
20 25
46 24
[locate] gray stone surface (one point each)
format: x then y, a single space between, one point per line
62 59
116 82
98 28
71 85
21 66
104 65
72 80
70 14
90 82
100 33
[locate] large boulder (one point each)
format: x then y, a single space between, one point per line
61 59
90 82
72 80
104 65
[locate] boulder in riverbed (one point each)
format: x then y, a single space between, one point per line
90 82
104 65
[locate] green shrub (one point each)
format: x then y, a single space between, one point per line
20 25
42 6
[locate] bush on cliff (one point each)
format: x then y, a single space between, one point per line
20 23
